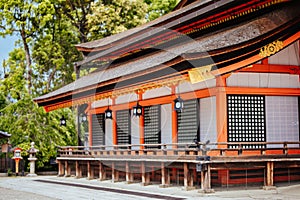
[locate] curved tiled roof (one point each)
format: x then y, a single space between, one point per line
107 42
218 44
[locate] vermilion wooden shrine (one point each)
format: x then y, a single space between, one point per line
235 67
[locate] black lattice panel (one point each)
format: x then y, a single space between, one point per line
123 127
188 122
98 129
246 120
152 124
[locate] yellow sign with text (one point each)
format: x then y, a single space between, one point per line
200 74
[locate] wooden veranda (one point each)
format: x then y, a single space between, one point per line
188 163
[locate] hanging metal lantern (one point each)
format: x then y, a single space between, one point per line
178 104
63 121
108 113
137 110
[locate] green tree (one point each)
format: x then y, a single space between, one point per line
115 16
44 55
158 8
24 18
27 122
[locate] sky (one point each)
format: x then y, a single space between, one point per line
7 44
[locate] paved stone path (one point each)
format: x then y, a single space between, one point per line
52 187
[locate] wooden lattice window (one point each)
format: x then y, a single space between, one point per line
188 122
152 125
123 127
246 120
98 129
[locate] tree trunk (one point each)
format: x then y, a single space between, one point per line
28 60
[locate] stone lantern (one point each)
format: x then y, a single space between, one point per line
32 158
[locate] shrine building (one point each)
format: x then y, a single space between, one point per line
205 96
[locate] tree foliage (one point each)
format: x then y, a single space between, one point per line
27 122
115 16
44 57
158 8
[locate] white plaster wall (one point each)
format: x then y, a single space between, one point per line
135 131
263 80
208 126
166 124
101 103
108 134
162 91
126 98
282 119
287 56
188 87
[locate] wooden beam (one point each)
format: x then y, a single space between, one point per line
263 91
159 100
272 68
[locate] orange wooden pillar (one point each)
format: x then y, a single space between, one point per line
221 110
90 120
174 118
174 128
221 117
141 121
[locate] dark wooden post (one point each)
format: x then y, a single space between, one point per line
270 176
206 180
145 175
61 169
129 175
67 169
165 176
102 173
78 170
90 171
114 173
188 177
